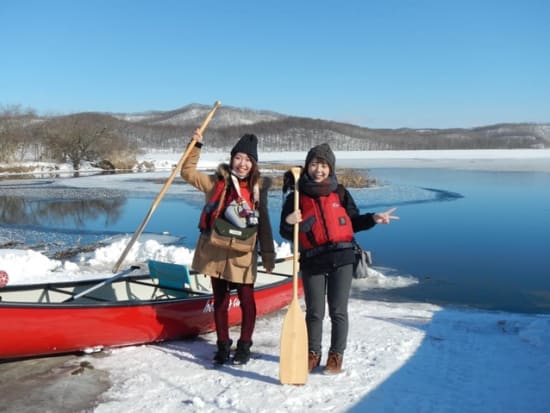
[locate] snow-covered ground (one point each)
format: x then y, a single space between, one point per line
401 356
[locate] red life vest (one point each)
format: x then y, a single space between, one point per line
324 221
211 209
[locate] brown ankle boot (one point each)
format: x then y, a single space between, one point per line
334 363
313 360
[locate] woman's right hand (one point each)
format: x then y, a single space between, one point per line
197 135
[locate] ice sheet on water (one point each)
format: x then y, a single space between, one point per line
49 242
49 190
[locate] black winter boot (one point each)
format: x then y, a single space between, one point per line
242 355
222 355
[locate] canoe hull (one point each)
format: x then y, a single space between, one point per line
30 330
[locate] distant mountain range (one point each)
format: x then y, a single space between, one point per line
278 132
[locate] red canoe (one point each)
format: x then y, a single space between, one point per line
126 309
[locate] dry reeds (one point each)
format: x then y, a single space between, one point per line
350 178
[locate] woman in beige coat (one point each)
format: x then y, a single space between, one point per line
234 186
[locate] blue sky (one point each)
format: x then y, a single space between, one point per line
380 64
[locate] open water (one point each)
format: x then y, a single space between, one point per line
474 238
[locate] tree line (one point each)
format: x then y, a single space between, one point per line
116 140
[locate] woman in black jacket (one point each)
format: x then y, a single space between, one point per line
328 219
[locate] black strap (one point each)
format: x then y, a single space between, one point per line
326 248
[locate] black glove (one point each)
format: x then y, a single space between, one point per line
288 182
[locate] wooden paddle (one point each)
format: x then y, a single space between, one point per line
293 364
164 189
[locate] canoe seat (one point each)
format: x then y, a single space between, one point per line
170 278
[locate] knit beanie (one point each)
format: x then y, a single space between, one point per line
322 151
247 144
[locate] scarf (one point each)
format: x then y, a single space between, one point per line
316 189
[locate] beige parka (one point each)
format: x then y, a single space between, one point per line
233 266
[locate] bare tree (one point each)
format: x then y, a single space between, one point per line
85 137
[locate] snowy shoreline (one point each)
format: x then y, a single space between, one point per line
520 160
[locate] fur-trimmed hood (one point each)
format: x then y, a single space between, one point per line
223 171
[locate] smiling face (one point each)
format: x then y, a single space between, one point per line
241 164
318 170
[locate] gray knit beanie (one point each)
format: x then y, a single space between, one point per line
322 151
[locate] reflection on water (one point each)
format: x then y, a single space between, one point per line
49 219
62 213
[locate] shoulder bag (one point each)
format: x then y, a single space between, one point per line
362 261
228 236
